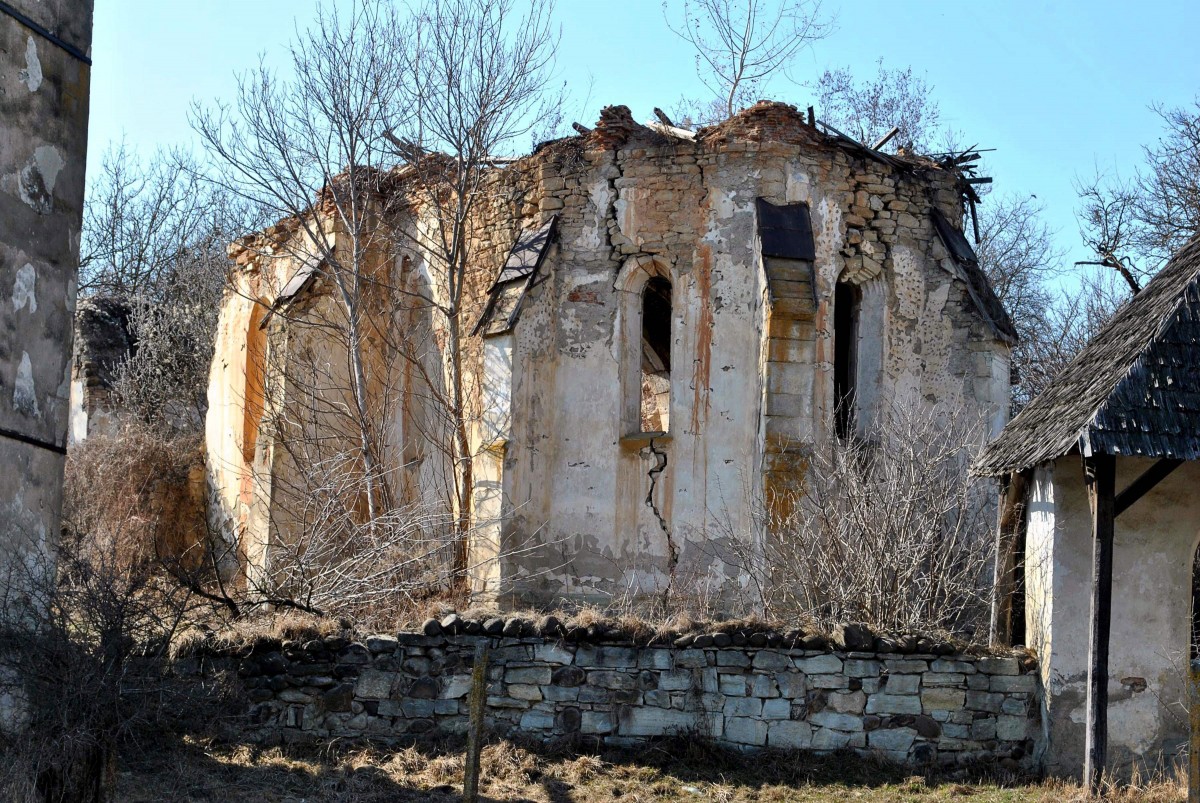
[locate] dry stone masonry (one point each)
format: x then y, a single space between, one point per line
744 690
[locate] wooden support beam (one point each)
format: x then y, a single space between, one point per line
1142 485
1100 475
1009 519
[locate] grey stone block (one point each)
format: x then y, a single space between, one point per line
553 654
943 679
654 722
1015 706
537 720
892 739
776 708
846 702
742 730
1026 684
832 719
902 684
655 659
597 722
819 664
416 708
743 707
998 665
690 659
679 680
828 739
792 685
733 685
983 701
1011 729
769 659
942 699
894 704
374 685
536 675
382 644
861 668
661 699
947 665
763 686
732 658
838 681
608 679
789 735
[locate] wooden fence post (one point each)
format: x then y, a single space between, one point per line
478 702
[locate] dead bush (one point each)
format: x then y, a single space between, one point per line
145 485
889 530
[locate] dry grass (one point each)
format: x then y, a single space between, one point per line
195 770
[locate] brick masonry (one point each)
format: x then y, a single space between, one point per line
917 708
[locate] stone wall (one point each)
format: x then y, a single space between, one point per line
912 707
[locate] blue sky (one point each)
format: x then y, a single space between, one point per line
1057 88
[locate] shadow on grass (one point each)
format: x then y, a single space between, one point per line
199 771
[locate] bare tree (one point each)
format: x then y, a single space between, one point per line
1135 225
1017 253
154 238
308 150
377 155
869 109
466 112
741 44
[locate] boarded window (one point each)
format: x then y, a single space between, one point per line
656 356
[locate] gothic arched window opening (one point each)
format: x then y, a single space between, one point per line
655 386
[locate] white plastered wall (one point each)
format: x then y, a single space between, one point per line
1155 543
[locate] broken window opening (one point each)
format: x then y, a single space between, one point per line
847 304
253 397
655 387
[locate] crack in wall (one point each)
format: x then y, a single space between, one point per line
660 465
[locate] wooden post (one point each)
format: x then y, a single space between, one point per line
1100 475
477 704
1008 523
1194 740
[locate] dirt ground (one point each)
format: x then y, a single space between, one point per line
190 769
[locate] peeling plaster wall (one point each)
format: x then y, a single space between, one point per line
1154 547
43 145
570 499
576 482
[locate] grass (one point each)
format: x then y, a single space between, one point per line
682 770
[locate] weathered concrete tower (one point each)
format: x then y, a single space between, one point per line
45 74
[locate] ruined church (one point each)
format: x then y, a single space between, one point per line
662 325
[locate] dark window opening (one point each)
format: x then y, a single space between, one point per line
656 356
847 299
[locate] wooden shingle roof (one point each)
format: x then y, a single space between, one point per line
1134 390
